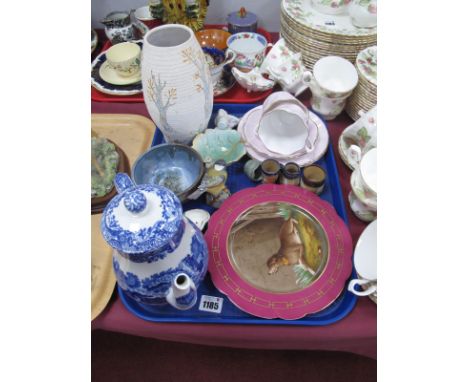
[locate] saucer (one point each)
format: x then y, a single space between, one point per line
112 77
318 136
361 211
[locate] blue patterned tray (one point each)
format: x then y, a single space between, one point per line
230 314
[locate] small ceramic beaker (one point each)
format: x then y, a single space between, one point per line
270 170
124 58
249 49
242 21
331 83
290 174
313 178
252 169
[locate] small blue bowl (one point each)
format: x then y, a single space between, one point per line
175 166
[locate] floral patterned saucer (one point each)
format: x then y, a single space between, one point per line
100 84
279 251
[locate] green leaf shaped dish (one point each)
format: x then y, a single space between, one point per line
215 144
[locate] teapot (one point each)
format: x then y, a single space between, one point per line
159 257
119 26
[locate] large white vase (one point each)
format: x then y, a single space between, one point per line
176 82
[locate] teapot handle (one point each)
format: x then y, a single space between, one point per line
182 294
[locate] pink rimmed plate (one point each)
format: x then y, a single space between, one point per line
279 251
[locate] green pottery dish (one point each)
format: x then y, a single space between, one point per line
215 144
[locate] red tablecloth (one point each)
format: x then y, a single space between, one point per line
356 333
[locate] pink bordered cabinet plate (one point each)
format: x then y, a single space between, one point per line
279 251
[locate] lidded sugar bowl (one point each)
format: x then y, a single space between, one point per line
159 255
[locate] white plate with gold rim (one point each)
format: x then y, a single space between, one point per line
303 12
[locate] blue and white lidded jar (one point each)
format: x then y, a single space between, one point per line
159 255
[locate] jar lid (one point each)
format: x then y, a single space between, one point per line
140 218
242 18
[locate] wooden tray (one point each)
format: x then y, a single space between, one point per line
133 134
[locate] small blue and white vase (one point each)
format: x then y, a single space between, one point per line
159 255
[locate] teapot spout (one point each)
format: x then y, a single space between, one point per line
182 294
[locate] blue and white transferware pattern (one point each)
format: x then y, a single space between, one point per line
153 245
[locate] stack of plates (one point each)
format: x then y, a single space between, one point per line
364 96
317 35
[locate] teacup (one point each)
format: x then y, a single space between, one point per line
331 83
364 179
124 58
249 49
284 130
216 60
331 7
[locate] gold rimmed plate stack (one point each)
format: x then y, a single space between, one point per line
364 96
316 35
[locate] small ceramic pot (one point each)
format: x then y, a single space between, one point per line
270 170
331 7
363 13
242 21
331 83
364 180
252 169
249 49
124 58
216 60
313 178
290 174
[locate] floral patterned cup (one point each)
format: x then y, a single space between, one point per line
331 7
331 83
249 49
124 58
